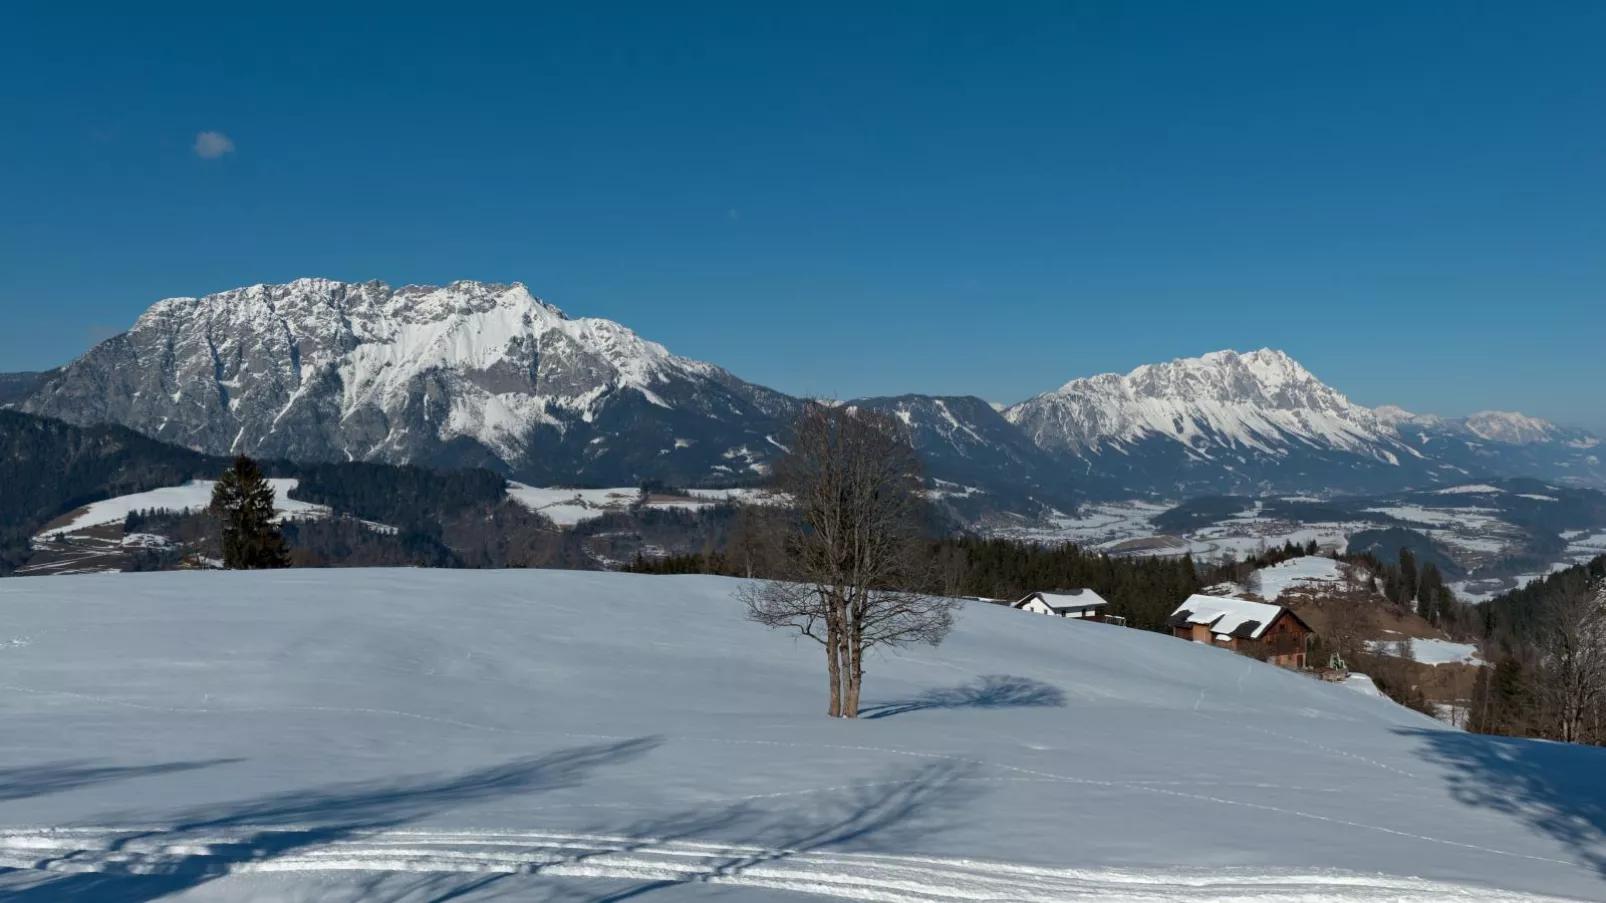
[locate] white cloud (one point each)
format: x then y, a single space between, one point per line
212 145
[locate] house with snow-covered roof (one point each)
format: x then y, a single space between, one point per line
1083 604
1253 628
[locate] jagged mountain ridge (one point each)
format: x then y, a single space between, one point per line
980 463
481 374
1259 421
1253 400
1504 443
466 374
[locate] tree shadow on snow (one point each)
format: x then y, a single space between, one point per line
60 777
283 823
992 691
887 813
1558 789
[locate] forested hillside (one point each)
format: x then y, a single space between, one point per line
1547 642
48 467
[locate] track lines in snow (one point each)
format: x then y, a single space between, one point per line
859 876
939 757
1326 749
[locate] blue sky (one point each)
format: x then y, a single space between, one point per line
854 199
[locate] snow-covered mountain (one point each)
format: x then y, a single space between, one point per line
1256 401
979 463
1504 427
488 375
1259 421
469 373
1223 421
1503 443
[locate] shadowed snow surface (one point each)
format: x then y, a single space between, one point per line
434 735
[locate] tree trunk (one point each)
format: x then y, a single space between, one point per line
855 669
834 653
833 664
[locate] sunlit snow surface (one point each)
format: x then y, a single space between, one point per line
191 496
417 735
567 507
1432 652
1310 573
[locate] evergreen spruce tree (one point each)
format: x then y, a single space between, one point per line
1408 577
242 501
1431 593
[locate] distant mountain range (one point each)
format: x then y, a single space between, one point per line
488 375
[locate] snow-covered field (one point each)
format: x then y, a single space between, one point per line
567 507
411 735
1096 525
1432 652
1126 528
192 496
1310 573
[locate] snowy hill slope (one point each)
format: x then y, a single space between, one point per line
195 495
425 735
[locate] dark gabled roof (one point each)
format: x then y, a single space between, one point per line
1246 630
1289 612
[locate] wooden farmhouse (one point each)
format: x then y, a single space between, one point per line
1244 626
1083 604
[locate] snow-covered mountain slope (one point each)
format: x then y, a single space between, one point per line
1257 401
1501 443
195 495
1261 422
979 462
469 373
1218 422
425 735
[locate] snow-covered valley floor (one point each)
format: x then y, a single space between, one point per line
540 735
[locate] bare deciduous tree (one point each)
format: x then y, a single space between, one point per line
1349 618
852 560
1572 646
754 532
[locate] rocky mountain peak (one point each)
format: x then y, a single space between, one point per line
1224 397
318 369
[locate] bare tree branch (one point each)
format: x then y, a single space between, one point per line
851 553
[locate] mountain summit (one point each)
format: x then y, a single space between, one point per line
1259 421
468 373
1223 400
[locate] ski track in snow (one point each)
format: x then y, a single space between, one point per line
858 876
